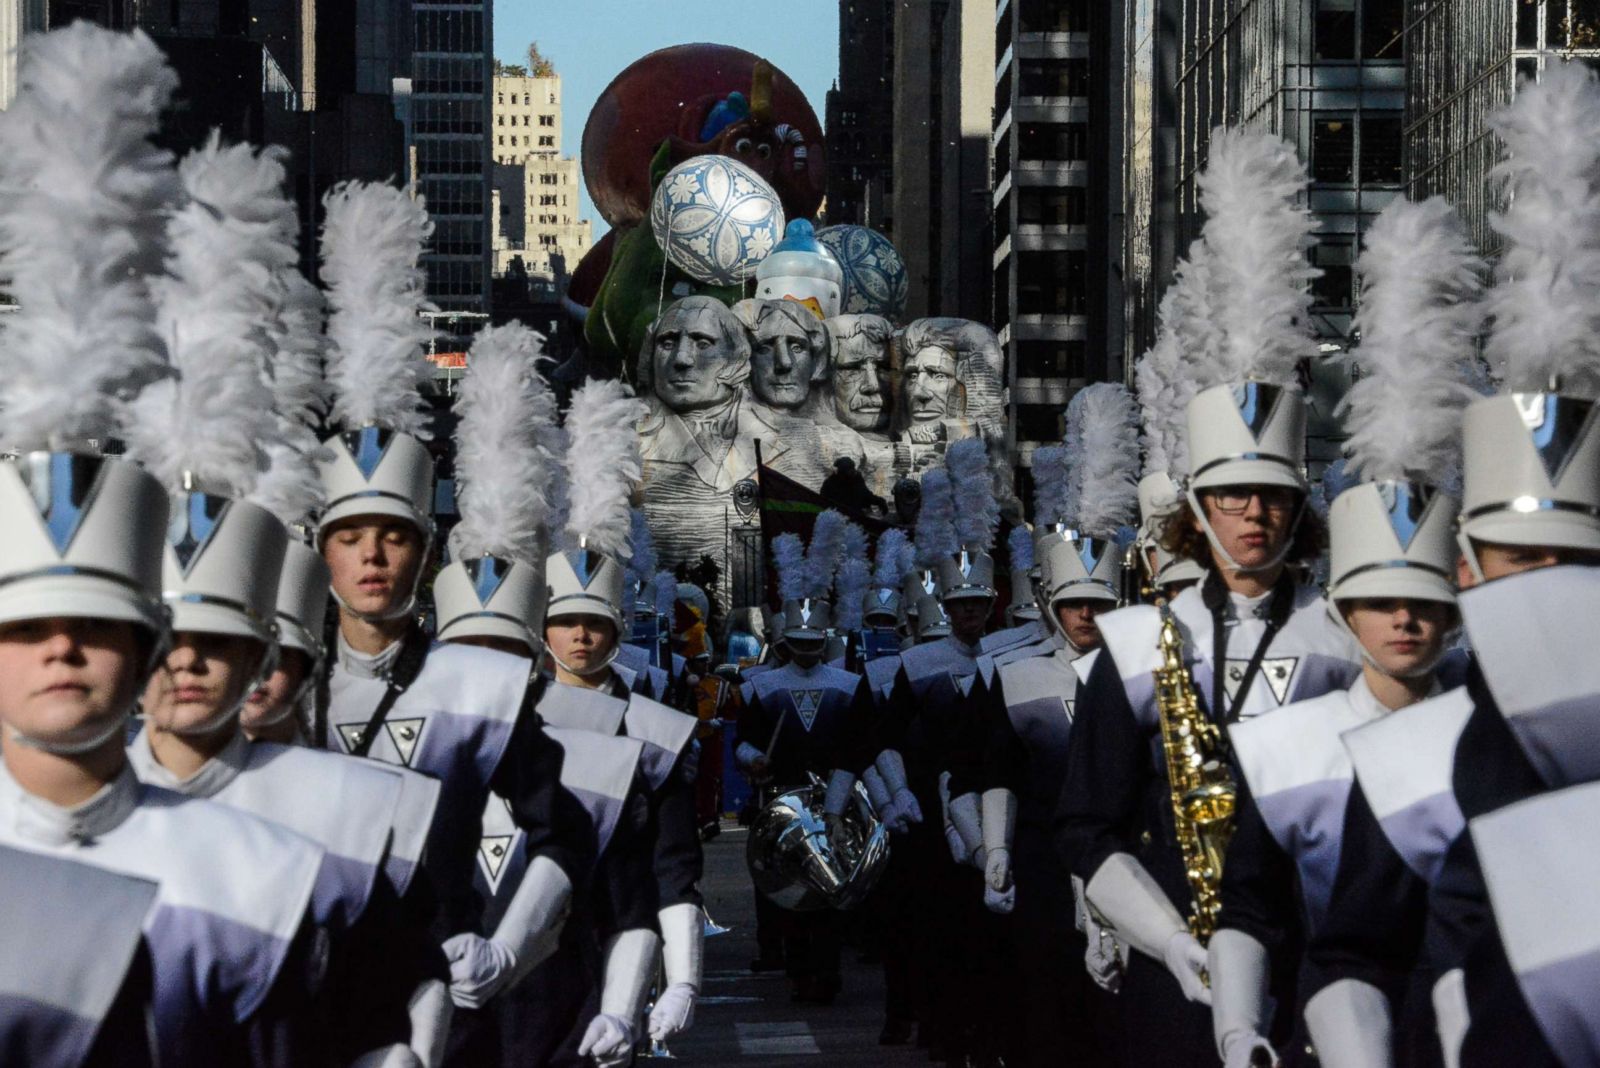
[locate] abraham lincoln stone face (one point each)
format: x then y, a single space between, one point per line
929 384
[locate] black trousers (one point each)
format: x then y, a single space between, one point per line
811 944
1157 1024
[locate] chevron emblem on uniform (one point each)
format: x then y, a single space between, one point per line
1557 425
404 733
1278 673
1405 508
585 564
807 703
487 573
192 525
351 734
1257 401
1068 704
493 852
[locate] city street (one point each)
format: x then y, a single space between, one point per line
749 1019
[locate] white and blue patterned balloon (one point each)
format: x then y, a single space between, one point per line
875 279
716 219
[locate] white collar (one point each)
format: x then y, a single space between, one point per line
1364 701
40 821
368 665
963 648
208 781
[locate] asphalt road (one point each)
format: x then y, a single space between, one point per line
749 1019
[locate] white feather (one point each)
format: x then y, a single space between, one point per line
1546 317
502 470
1166 378
1049 483
1072 450
83 195
855 575
856 544
936 527
1020 542
1419 315
890 559
372 241
602 464
1108 468
789 558
972 485
227 246
1257 232
298 347
825 552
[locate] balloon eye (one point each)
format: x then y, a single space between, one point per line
742 146
764 151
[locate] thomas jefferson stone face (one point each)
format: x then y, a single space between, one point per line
860 382
929 383
784 359
693 356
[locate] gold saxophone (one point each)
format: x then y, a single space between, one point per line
1203 790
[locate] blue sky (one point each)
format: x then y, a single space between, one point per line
591 41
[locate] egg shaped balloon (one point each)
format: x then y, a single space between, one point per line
716 219
875 279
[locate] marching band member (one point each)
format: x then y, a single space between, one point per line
1409 904
804 719
1030 712
1393 556
233 957
1252 638
449 711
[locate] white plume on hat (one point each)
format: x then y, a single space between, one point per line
227 245
1257 232
643 560
789 558
82 224
291 487
891 561
1546 317
1020 542
825 553
502 469
372 240
977 516
603 465
1050 479
936 527
1165 379
1419 316
850 585
1105 470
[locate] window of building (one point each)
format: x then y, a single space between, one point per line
500 139
527 98
547 120
547 141
1336 256
1052 283
1057 206
547 179
1380 149
1054 77
1052 359
548 200
1052 141
1038 422
1336 29
1333 147
1383 24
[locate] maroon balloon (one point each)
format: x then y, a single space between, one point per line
668 95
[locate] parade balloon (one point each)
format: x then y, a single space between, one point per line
716 219
875 279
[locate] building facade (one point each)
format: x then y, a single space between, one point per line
537 227
860 118
449 141
1479 50
1327 75
1055 212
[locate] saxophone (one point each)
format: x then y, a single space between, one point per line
1203 790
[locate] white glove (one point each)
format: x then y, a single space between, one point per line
1104 959
479 968
999 828
1126 899
429 1009
952 839
840 792
673 1012
905 808
968 821
388 1057
997 872
1248 1051
1000 901
608 1039
1185 958
1450 1010
1240 977
1349 1023
877 792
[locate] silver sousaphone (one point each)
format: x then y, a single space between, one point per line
799 863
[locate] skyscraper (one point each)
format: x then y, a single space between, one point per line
860 119
537 220
449 145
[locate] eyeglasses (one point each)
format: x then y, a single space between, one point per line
1233 500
